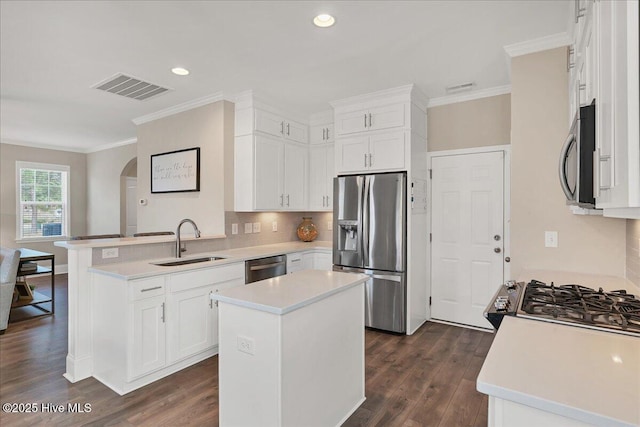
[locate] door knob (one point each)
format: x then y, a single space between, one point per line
496 237
497 250
507 259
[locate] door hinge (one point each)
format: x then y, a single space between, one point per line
429 300
430 173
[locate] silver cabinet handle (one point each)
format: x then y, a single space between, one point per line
282 200
162 313
216 300
287 200
370 120
282 128
264 266
288 129
327 134
323 201
370 159
323 134
365 160
151 289
365 119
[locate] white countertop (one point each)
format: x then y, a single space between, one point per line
592 376
129 241
283 294
145 268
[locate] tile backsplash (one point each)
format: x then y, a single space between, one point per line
633 250
287 223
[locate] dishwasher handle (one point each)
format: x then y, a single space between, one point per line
265 266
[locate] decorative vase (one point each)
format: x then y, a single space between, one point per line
307 231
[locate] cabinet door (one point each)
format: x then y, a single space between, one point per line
214 305
321 134
190 326
355 121
148 337
322 261
294 262
387 151
270 123
386 116
318 157
295 168
351 154
331 173
296 131
269 173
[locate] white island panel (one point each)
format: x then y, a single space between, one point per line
304 365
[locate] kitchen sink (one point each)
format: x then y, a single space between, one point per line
186 261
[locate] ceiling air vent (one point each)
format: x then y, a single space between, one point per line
130 87
459 88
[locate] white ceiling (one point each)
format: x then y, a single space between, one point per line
53 52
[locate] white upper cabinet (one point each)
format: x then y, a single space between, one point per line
270 158
370 119
277 125
322 134
321 173
375 132
617 156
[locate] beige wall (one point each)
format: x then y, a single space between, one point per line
104 187
539 124
633 250
477 123
202 127
9 154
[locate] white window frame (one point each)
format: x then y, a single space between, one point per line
67 217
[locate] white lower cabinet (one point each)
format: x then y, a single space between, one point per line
169 323
323 261
309 260
148 336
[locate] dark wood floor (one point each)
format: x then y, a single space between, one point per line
426 379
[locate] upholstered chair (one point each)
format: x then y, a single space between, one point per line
9 261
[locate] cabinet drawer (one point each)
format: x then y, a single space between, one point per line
210 276
146 288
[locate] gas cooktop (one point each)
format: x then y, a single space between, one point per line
616 311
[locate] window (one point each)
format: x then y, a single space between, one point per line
43 200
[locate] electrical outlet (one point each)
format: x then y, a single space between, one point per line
110 253
256 227
234 228
551 239
329 225
245 344
274 226
248 228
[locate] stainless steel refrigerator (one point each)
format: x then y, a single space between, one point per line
369 236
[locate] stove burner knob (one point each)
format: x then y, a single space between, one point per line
510 285
501 303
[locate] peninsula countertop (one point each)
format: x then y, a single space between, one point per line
283 294
147 268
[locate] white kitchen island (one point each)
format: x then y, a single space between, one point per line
291 350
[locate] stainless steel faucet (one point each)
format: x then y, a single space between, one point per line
195 229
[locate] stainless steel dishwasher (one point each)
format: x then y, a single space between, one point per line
265 268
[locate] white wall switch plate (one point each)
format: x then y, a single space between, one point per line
329 225
245 344
248 228
256 227
274 226
551 239
110 253
234 228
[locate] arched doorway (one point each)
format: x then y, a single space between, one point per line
129 198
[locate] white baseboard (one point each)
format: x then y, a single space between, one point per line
475 328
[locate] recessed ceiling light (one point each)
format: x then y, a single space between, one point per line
324 20
180 71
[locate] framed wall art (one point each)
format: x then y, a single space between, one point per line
176 171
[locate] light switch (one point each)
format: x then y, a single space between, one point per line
248 228
329 225
256 227
551 239
234 228
274 226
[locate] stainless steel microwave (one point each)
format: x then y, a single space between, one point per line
576 159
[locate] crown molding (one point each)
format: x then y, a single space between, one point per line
401 92
111 145
185 106
43 146
537 45
469 96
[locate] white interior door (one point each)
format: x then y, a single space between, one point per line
131 208
467 235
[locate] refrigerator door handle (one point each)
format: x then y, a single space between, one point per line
386 277
365 220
